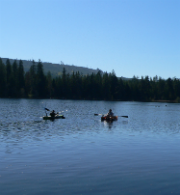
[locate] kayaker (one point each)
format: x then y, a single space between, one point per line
110 113
53 114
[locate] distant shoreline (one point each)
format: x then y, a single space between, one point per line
165 101
160 101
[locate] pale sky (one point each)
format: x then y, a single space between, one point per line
131 37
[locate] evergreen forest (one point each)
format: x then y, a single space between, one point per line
15 83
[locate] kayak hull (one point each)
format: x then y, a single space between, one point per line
52 118
106 118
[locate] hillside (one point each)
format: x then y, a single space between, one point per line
55 69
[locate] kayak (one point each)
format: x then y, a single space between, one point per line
107 118
52 118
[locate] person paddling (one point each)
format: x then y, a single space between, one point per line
53 114
110 113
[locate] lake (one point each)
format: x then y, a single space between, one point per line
82 155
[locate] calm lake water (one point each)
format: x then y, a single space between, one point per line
82 155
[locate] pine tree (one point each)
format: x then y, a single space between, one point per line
33 80
41 81
21 80
15 89
49 84
2 79
9 79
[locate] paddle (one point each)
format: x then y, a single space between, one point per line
118 116
62 111
57 112
124 116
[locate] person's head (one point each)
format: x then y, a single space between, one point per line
53 111
110 110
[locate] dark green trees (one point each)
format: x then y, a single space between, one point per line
9 79
41 81
35 81
12 79
21 80
14 83
3 81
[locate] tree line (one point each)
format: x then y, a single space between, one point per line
15 83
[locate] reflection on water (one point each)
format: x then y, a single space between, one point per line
82 155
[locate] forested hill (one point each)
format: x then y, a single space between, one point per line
55 69
15 83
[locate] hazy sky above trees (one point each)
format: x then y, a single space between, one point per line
133 37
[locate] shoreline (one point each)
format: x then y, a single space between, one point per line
162 101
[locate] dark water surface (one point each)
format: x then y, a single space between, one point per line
82 155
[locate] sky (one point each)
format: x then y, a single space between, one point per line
132 37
